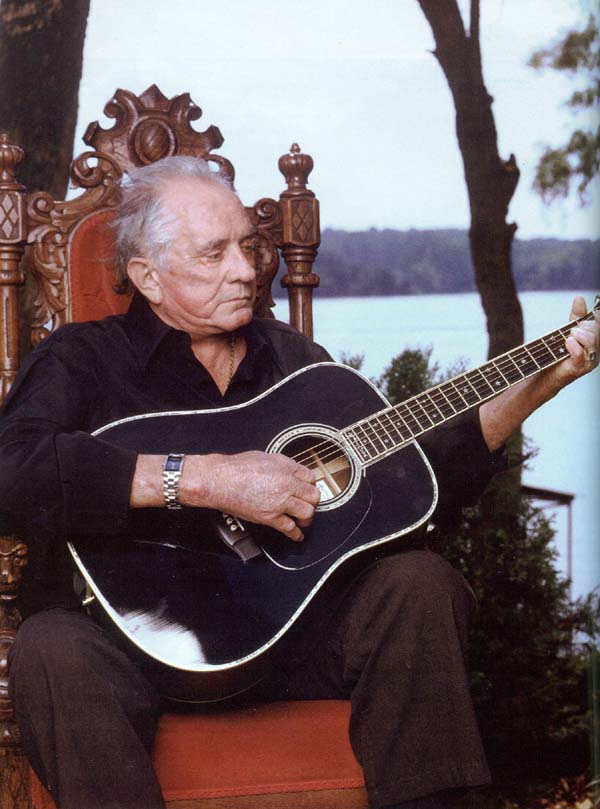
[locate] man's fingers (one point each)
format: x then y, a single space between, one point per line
304 473
585 334
287 526
576 350
307 492
583 342
579 308
299 514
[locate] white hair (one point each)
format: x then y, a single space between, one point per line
144 226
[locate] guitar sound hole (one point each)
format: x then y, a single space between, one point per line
326 458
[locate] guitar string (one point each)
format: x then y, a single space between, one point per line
430 407
457 400
536 350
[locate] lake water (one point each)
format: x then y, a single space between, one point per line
565 430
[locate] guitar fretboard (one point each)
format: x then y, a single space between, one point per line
387 431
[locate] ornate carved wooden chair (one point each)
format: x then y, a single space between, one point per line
56 266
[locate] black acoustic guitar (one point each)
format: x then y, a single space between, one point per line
209 602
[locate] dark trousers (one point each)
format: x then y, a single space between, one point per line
395 647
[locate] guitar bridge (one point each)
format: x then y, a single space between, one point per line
234 534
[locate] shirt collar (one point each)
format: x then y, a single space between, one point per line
256 343
148 331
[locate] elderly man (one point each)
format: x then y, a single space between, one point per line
189 341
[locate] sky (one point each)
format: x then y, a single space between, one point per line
356 85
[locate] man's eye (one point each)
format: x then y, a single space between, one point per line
215 255
249 247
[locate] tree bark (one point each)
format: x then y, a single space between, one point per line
41 56
491 181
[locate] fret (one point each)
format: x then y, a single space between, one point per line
498 369
555 343
386 438
466 390
456 400
400 425
509 369
525 361
356 444
433 411
383 435
420 414
372 437
401 434
493 377
480 383
542 355
408 418
442 403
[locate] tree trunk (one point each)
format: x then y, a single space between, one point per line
491 182
41 55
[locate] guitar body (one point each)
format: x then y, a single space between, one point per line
207 621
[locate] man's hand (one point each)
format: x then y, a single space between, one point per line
501 416
266 489
583 345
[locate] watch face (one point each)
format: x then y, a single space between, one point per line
173 463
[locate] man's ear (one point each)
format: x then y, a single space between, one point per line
145 278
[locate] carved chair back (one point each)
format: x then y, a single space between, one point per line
70 257
57 265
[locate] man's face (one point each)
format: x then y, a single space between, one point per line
208 283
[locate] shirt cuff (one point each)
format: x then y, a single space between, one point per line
495 460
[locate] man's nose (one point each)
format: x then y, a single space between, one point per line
242 266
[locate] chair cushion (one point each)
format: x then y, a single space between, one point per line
274 748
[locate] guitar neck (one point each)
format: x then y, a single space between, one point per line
389 430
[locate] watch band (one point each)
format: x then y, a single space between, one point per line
172 469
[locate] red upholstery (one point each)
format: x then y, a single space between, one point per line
281 747
92 270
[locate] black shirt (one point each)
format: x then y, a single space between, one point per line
56 479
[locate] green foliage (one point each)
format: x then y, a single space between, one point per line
410 373
393 262
528 675
352 360
578 52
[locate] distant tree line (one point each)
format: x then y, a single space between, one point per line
394 262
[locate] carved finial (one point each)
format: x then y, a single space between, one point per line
10 157
296 167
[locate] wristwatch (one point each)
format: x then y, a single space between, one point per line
172 469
